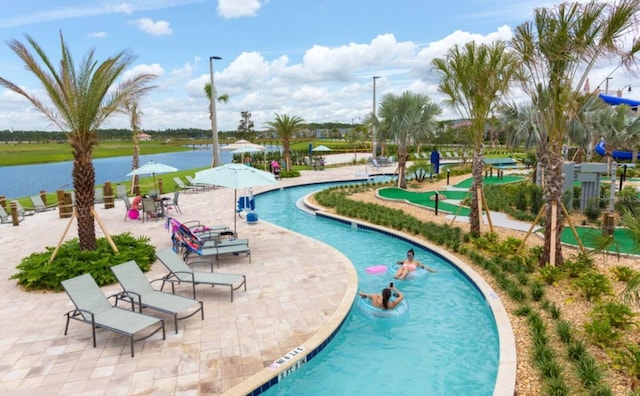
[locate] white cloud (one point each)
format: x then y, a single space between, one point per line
159 28
154 69
98 34
229 9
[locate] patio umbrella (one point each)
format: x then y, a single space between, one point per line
252 148
151 168
234 176
321 148
243 144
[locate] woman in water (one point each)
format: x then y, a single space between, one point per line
383 301
409 265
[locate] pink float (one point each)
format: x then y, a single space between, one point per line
376 269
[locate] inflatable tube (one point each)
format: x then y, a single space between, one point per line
616 154
376 269
418 273
365 307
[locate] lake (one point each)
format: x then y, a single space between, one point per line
27 180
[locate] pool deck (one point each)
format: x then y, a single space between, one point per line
298 291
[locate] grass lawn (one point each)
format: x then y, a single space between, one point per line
42 153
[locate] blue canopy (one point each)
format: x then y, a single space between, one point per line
614 100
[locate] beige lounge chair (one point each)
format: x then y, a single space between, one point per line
180 272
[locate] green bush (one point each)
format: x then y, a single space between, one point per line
289 173
35 272
593 209
601 332
550 275
619 315
565 331
578 265
593 285
623 273
628 360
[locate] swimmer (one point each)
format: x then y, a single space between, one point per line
410 265
382 301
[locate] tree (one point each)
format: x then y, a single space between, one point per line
134 121
214 146
82 99
558 49
245 128
473 78
285 126
405 119
356 135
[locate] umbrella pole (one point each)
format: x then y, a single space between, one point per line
235 217
155 186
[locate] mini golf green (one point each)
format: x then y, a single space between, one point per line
466 183
623 240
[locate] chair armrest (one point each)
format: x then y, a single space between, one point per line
125 295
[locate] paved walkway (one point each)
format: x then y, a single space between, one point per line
287 301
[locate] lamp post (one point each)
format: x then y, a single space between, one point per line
606 85
622 89
373 127
215 161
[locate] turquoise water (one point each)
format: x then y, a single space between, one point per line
445 344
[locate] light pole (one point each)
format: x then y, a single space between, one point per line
622 89
373 127
606 85
215 161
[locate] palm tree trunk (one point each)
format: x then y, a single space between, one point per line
476 172
402 167
287 155
135 164
554 181
84 180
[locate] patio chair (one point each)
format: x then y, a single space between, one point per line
376 165
179 272
133 214
139 290
173 202
40 206
121 191
183 187
92 307
151 209
98 197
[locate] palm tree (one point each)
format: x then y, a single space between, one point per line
224 98
558 49
82 99
134 120
473 79
285 126
404 119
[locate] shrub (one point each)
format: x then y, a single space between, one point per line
578 265
576 350
623 273
588 371
619 315
628 360
537 291
565 331
601 332
550 275
593 285
289 173
593 210
35 272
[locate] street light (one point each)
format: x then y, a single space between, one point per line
215 161
356 117
622 89
373 127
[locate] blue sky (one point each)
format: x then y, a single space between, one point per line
310 58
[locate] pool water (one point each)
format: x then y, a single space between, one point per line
445 344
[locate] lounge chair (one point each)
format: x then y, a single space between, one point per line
4 216
142 294
190 243
183 187
40 206
92 307
376 164
205 187
179 272
22 211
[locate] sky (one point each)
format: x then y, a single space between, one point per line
315 59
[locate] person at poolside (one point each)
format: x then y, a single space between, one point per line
383 301
136 203
409 265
